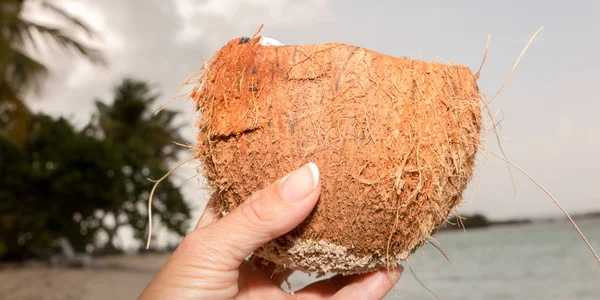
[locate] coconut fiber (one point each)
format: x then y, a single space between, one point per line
395 140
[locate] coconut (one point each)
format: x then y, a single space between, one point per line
395 140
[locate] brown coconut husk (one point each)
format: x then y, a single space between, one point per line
395 140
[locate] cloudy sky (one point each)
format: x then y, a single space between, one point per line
550 109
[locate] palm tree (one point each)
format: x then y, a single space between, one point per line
21 40
130 120
146 143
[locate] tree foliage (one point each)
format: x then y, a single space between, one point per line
22 41
81 183
53 187
56 180
146 141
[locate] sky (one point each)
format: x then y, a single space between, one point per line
550 110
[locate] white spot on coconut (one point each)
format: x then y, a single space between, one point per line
335 258
266 41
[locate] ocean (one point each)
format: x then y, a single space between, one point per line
533 261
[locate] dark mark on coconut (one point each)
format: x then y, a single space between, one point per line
363 137
244 40
337 83
290 121
269 126
254 87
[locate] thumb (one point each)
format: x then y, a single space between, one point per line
264 216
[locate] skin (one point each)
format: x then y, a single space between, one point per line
210 262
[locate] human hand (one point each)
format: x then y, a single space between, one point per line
210 262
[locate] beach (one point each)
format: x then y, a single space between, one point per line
121 277
532 261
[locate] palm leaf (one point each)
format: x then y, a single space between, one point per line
61 39
69 19
19 70
24 72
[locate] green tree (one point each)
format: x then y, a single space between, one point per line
467 221
77 184
146 141
21 40
54 187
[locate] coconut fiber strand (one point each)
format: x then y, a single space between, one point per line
395 140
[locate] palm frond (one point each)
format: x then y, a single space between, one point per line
24 38
61 39
24 72
69 19
166 116
103 109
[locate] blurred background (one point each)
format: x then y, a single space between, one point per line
80 81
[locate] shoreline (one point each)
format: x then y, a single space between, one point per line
478 221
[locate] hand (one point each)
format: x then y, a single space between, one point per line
210 262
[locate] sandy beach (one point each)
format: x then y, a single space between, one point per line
122 277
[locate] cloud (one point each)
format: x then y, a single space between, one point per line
160 41
550 114
214 20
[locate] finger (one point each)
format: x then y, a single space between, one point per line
254 284
371 286
264 216
280 277
326 288
277 274
207 219
209 215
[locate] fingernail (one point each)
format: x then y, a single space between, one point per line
399 268
396 273
300 183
